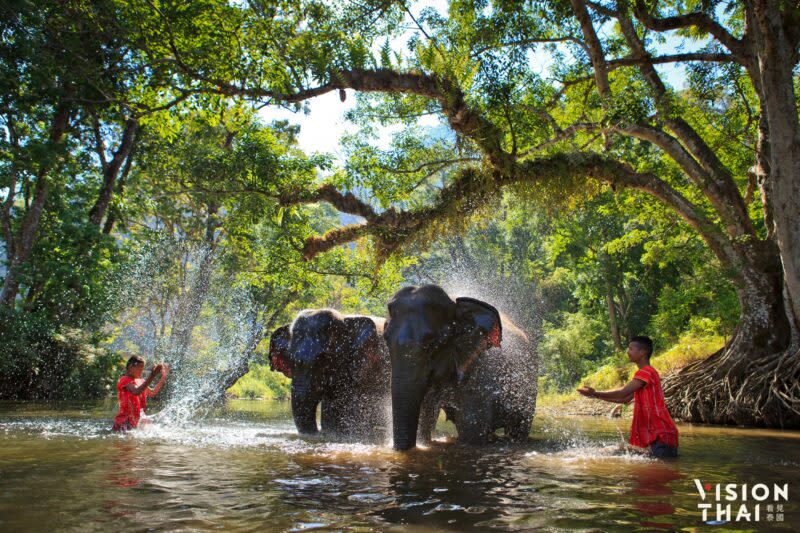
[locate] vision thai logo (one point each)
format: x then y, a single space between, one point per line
732 502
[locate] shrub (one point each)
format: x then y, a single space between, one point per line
262 383
691 347
612 375
618 371
567 351
41 361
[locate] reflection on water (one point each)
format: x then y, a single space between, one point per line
245 468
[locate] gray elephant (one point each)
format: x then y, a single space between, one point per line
340 362
461 356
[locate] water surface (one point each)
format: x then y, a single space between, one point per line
244 468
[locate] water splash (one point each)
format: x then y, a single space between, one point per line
515 370
210 363
184 310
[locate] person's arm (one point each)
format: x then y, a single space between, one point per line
136 391
157 388
623 395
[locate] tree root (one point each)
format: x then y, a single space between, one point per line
738 385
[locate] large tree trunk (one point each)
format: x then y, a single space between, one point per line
777 56
112 170
753 380
189 310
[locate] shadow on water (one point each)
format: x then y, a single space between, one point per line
245 468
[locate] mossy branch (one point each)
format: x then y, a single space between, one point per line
472 188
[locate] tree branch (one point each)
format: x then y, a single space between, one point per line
344 202
461 117
562 135
718 186
534 40
112 169
709 57
699 20
428 164
472 189
596 53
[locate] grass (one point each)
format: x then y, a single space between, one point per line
555 400
261 383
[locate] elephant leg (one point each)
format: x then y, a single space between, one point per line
380 415
331 417
518 426
428 415
359 416
475 421
374 417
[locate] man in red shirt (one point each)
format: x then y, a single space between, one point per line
652 426
133 391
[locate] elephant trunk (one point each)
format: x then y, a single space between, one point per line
304 405
408 391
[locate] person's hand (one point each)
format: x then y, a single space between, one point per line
158 369
587 391
164 370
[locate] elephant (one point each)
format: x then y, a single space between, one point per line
338 361
452 355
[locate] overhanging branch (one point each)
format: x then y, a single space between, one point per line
461 117
471 189
698 20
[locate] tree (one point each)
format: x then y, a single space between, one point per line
610 119
75 97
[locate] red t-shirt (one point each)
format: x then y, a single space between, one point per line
131 406
651 420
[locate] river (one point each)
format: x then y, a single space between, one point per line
244 468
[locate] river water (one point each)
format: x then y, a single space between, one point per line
244 468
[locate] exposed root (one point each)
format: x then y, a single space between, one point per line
738 385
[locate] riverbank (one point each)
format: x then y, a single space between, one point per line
573 404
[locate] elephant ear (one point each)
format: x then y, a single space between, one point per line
480 329
365 337
279 349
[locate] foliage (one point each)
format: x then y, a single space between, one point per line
690 348
261 383
41 361
567 351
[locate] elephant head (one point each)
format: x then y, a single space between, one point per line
322 351
432 340
278 351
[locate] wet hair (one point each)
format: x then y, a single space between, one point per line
134 360
644 342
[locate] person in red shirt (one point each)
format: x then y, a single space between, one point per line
652 427
133 391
